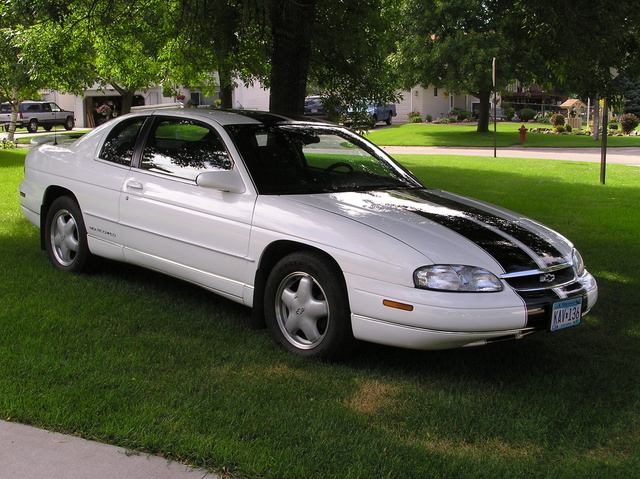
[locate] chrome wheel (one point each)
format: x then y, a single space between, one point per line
302 311
306 306
64 238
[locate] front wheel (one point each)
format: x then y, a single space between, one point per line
66 236
307 307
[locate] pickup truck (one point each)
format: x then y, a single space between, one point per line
381 113
375 114
32 114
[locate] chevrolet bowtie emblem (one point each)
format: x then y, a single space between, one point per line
547 278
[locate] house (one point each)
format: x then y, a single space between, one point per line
433 101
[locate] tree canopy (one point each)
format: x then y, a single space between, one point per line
342 49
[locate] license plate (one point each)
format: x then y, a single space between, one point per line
566 314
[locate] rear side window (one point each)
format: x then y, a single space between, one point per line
119 145
184 149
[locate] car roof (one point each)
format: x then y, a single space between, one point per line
234 117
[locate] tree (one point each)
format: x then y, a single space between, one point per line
35 54
226 36
125 54
350 74
586 61
337 47
588 41
631 93
452 45
15 80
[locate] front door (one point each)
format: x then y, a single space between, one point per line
171 224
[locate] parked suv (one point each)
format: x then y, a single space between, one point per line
33 114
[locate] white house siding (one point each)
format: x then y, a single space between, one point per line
251 97
426 101
430 101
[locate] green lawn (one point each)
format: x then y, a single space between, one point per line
133 358
465 135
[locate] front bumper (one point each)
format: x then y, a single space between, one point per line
453 320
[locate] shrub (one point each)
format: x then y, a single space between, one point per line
428 118
465 115
414 117
568 128
527 114
6 145
613 125
509 112
557 119
559 129
628 123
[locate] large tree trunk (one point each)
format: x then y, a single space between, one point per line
15 106
226 87
483 114
127 97
292 26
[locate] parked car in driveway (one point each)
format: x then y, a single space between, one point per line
374 114
34 114
325 236
313 106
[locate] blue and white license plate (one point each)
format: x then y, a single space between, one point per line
566 314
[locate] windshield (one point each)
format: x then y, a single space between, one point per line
296 159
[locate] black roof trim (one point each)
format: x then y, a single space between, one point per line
269 118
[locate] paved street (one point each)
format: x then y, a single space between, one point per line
619 156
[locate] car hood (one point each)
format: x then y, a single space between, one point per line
421 218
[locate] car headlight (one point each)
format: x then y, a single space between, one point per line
445 277
578 262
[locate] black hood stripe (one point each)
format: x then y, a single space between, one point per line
513 246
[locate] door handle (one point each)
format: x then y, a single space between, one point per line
134 184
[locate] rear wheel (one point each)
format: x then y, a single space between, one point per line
32 127
389 118
307 307
69 123
66 236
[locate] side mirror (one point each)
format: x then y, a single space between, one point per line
223 180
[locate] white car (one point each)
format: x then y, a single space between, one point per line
325 236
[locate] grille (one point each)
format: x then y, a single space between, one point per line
538 280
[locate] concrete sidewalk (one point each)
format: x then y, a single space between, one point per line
31 453
619 156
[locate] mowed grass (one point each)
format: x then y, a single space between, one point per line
465 135
136 359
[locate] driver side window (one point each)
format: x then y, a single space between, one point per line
183 149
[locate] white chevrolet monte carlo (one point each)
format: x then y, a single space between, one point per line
327 238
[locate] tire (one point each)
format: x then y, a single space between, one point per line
69 123
32 127
307 307
389 118
66 237
374 120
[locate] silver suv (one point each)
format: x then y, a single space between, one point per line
33 114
